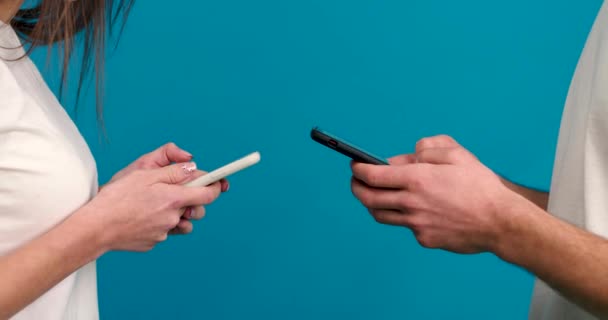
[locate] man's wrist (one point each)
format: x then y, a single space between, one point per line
515 216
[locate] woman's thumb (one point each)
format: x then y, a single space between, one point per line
176 173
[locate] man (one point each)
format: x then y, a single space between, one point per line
452 201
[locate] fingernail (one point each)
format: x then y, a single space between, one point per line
188 154
189 168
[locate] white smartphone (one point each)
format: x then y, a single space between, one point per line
221 173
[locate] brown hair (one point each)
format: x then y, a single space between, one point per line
60 21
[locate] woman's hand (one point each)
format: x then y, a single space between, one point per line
132 213
162 157
159 158
139 209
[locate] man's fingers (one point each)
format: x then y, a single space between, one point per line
402 159
440 141
373 198
391 217
389 177
445 156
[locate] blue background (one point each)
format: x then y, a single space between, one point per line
289 241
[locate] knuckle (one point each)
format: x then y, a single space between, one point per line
466 154
406 203
144 163
371 177
421 155
174 202
148 163
446 139
201 212
205 198
353 186
145 247
418 183
162 237
379 216
366 199
416 223
210 196
459 155
139 163
172 221
426 241
424 143
173 175
454 155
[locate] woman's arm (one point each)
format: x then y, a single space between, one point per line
133 213
31 270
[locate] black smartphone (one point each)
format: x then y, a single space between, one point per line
345 148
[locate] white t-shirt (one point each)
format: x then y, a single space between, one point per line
46 173
579 189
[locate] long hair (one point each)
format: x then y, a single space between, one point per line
59 22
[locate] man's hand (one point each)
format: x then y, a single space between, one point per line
453 202
162 157
442 193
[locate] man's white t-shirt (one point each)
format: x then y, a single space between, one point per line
46 173
579 188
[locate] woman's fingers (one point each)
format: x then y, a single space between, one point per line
183 227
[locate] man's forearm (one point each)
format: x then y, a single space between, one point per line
569 259
539 198
31 270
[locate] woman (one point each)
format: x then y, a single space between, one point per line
53 222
